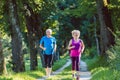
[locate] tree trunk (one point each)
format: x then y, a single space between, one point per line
106 37
2 61
96 37
33 51
17 54
34 34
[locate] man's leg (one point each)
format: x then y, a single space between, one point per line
50 62
46 62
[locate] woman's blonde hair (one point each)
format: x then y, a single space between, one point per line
76 31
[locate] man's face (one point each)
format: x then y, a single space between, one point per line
48 33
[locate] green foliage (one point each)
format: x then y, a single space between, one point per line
114 56
33 75
89 53
102 73
95 62
63 16
6 46
29 75
3 78
114 7
102 67
48 14
81 8
60 63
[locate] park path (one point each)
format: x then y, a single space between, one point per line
84 73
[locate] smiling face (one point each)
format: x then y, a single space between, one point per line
48 32
75 34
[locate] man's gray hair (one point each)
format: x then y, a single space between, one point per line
49 30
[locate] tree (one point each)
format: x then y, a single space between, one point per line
37 21
16 35
2 60
34 33
106 27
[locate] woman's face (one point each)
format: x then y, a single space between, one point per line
75 35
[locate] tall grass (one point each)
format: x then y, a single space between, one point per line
102 73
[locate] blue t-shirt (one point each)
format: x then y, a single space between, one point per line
48 43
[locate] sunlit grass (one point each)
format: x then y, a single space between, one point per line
102 73
60 63
33 75
66 74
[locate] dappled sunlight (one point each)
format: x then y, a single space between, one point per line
30 30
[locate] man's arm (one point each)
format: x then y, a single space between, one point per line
42 47
55 47
41 44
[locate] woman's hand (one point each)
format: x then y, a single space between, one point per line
72 47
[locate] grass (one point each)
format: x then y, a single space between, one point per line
33 75
102 73
64 75
29 75
58 64
100 70
95 62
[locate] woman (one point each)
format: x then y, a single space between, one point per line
48 44
76 47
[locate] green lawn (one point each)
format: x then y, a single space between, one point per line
33 75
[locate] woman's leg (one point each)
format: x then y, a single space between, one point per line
77 63
73 66
77 67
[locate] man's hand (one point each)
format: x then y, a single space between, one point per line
44 49
54 50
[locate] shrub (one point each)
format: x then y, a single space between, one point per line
102 73
89 53
114 56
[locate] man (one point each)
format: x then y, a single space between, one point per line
48 45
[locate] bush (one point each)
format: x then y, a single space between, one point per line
102 73
96 62
89 53
114 56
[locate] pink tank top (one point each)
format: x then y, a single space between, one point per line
74 52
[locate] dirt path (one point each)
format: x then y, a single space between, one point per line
84 73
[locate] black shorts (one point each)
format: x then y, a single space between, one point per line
48 60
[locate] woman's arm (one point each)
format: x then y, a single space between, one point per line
83 46
69 45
